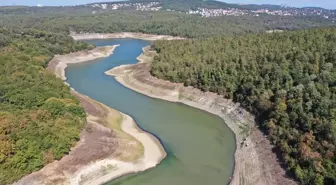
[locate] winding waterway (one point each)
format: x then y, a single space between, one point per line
199 145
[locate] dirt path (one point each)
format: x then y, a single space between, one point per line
255 163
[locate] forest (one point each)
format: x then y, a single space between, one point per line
288 80
80 19
177 24
40 119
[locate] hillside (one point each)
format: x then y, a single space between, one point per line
183 6
103 18
286 79
211 8
40 119
189 18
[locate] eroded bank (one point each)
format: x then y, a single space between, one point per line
110 145
255 163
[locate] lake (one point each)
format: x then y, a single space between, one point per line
200 147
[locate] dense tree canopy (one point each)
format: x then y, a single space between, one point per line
178 24
287 79
80 19
40 119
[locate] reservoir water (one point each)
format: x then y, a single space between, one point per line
199 145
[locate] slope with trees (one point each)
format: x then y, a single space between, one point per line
177 24
81 19
40 119
286 79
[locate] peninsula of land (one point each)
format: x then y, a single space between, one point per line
111 144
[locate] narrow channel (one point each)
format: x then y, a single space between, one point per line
199 145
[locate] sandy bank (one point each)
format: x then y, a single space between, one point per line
105 170
59 62
255 163
153 154
110 145
150 37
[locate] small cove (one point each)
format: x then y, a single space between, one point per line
199 145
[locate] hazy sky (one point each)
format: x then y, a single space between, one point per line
330 4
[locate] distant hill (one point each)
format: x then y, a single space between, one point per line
189 18
190 4
205 8
201 7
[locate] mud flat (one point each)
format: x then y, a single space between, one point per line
255 163
149 37
110 145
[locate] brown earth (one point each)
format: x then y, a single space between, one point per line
255 161
143 36
58 64
110 144
97 141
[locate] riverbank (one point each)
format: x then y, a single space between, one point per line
60 62
110 145
142 36
255 163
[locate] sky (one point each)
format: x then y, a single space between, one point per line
329 4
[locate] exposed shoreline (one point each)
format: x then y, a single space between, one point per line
142 36
117 145
255 163
60 62
149 160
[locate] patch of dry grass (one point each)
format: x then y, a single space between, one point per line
131 149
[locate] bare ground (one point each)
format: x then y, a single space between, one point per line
143 36
58 64
110 145
97 142
255 161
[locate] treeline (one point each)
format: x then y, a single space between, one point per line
179 24
39 119
81 19
288 80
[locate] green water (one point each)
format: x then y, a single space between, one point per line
200 146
